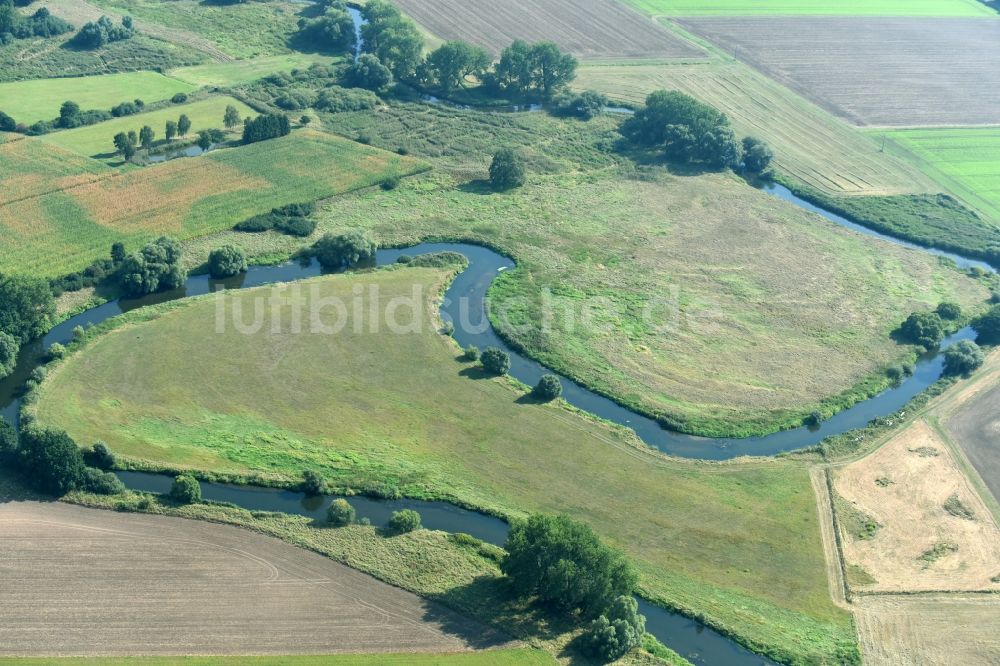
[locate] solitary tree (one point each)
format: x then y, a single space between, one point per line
757 155
923 328
548 388
232 117
495 361
185 490
368 72
340 513
405 520
52 460
183 124
226 261
617 630
336 251
204 140
146 135
312 483
125 145
507 170
962 358
170 131
455 61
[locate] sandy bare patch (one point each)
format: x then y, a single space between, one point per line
939 630
77 581
904 487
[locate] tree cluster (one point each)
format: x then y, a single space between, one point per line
26 309
226 261
95 34
155 267
565 565
616 631
962 358
291 220
687 131
264 127
923 328
586 105
335 251
536 71
42 23
330 32
392 38
54 464
128 108
988 327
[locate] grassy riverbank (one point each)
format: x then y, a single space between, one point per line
400 410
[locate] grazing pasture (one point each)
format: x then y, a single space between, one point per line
873 71
814 7
80 581
97 140
930 630
398 408
243 71
593 29
964 160
904 487
809 144
30 101
72 225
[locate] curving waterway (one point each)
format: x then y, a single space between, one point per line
465 305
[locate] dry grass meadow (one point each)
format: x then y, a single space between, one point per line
592 29
78 581
873 71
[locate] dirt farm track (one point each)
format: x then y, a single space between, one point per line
873 71
77 581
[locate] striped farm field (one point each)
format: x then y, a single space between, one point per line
814 7
809 143
965 160
52 231
96 140
39 99
30 167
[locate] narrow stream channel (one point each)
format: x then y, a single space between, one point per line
464 304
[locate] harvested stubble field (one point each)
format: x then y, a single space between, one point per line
30 101
592 29
814 7
498 657
809 144
974 424
965 160
938 630
394 408
59 228
873 71
97 141
904 487
78 581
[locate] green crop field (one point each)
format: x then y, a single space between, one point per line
965 160
97 140
815 7
56 229
809 143
30 101
737 542
30 167
511 657
243 71
243 30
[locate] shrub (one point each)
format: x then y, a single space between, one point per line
507 170
56 351
154 268
814 419
7 124
389 183
471 353
565 565
101 482
179 98
185 490
548 388
949 311
405 520
495 361
101 456
895 374
266 126
9 347
923 328
51 459
962 358
341 513
988 327
757 155
586 105
312 483
382 490
295 226
368 72
338 251
226 261
616 631
8 442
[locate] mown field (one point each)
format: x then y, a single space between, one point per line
399 409
30 101
80 581
62 229
241 30
926 73
242 71
597 28
809 144
817 7
97 140
965 160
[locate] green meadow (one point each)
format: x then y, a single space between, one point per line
243 71
39 99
